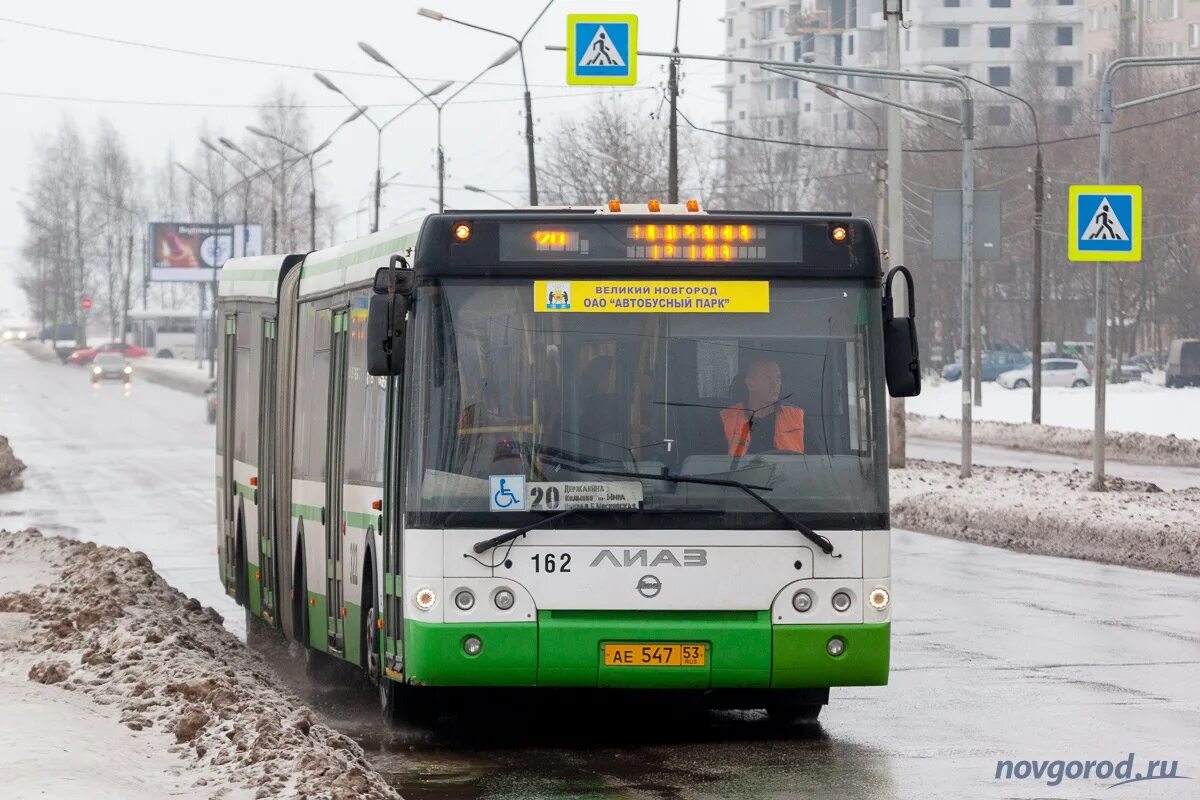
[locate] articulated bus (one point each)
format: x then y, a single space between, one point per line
632 447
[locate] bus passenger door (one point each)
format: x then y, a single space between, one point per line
335 528
228 415
268 584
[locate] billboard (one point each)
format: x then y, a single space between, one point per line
193 251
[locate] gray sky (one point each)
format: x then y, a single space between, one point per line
482 128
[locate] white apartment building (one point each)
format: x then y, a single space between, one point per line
1115 28
995 41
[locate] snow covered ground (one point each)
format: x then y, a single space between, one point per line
1133 407
1053 513
114 685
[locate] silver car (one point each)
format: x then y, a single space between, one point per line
1055 372
111 366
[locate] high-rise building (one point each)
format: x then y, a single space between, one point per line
1115 28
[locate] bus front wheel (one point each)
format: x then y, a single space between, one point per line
791 708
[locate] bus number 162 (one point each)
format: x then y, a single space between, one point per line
548 562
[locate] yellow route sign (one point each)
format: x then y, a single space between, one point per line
625 297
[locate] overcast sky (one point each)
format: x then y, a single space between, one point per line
157 98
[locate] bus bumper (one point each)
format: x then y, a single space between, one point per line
565 649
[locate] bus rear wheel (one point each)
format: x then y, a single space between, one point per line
401 702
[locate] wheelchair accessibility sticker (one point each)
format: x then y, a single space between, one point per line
506 492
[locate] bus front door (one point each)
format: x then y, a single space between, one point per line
335 528
228 491
268 583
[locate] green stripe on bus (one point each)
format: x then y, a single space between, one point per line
313 513
357 519
246 492
264 275
349 259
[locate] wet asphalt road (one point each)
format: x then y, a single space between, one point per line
996 655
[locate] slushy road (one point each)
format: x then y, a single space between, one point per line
996 655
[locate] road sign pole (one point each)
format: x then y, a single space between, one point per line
1100 381
893 15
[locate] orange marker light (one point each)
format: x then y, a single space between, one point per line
379 623
693 205
312 601
258 575
377 505
839 233
254 480
654 206
343 611
614 205
462 231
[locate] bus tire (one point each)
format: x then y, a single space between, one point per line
405 703
788 708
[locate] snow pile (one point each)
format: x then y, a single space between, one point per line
109 627
1053 513
1134 407
1134 448
10 468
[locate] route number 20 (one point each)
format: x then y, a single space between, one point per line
548 562
548 498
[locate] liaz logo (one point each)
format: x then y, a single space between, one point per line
691 557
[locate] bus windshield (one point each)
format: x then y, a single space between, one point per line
509 407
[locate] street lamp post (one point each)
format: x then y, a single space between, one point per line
246 181
1107 108
308 156
217 197
441 156
331 86
520 42
1038 205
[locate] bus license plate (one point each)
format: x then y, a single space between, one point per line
654 654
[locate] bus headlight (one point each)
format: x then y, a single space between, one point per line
841 601
464 600
504 599
879 598
802 600
129 370
425 598
96 370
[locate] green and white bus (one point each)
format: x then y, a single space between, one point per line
635 447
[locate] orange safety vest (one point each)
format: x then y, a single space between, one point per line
789 429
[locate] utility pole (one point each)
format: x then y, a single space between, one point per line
673 122
1039 189
893 14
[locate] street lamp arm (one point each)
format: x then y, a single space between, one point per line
504 57
198 180
1153 97
404 111
868 96
480 27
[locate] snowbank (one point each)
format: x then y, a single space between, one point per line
1135 448
10 468
173 373
163 701
1135 407
1053 513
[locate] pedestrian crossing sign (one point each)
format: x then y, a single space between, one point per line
601 49
1105 223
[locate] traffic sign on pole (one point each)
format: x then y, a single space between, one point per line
602 49
85 303
1104 223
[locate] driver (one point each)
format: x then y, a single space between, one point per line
761 423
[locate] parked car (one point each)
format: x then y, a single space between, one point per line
111 366
1183 363
1055 372
210 403
85 356
994 363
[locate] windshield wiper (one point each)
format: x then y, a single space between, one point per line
749 488
488 544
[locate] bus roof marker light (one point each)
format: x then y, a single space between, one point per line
839 233
693 206
654 206
462 231
614 206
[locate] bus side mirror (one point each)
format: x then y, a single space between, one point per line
902 360
387 315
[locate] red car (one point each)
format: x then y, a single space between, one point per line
83 357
